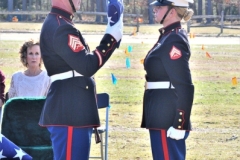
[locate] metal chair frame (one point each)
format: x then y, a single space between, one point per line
103 102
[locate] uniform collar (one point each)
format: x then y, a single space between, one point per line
62 12
170 27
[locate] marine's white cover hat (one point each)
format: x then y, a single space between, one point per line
177 3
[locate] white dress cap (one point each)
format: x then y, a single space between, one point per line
181 3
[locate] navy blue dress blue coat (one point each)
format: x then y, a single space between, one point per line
72 101
168 60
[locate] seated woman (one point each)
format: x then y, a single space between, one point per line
33 82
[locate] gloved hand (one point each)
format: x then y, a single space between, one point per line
115 19
175 133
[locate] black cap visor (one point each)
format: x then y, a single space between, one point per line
161 3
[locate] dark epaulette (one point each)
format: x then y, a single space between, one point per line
180 32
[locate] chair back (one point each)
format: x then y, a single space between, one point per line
102 100
20 117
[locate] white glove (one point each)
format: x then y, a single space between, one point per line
116 30
175 133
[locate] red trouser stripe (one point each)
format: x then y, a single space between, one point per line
164 145
69 143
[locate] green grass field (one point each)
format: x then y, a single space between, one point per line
215 114
144 29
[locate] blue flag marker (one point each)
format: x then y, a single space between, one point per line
114 79
128 63
129 48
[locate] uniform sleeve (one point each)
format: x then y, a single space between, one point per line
12 90
2 86
69 45
175 60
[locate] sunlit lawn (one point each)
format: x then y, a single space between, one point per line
128 29
215 114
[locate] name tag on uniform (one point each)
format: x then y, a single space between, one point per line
155 48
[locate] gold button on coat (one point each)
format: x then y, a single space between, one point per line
180 120
103 51
86 87
108 44
179 127
180 113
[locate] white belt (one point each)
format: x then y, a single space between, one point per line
158 85
65 75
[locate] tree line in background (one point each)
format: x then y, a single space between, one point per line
200 7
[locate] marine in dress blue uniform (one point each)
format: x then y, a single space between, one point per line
70 111
169 90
